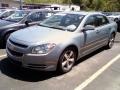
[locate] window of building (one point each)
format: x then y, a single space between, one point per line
4 5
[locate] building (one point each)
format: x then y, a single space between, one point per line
10 3
66 7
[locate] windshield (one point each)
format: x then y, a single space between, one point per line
17 16
61 21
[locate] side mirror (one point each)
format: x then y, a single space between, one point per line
27 23
89 27
71 27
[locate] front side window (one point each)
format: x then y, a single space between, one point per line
61 21
91 21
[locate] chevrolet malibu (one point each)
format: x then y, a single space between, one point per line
60 40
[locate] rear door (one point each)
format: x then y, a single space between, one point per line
103 28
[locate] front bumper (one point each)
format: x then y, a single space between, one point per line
47 62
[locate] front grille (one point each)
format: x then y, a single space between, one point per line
18 54
17 44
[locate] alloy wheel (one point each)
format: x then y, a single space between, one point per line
68 60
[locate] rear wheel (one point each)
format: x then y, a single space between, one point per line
111 41
67 60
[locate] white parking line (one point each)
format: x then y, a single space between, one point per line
95 75
3 55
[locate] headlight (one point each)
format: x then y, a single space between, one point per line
43 49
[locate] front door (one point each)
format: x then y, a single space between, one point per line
91 38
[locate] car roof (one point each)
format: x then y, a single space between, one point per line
31 10
38 10
82 12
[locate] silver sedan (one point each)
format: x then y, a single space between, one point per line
57 42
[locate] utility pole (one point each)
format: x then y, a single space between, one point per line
69 3
20 4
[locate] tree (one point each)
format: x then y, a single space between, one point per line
98 5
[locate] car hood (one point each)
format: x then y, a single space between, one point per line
39 35
4 23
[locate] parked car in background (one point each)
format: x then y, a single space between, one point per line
21 19
116 17
107 13
118 23
4 13
59 41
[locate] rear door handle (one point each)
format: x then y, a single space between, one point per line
97 31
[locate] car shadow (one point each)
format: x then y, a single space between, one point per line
2 47
24 74
28 75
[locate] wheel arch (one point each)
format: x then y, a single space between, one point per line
69 46
4 35
7 32
72 46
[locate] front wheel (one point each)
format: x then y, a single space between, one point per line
6 38
111 41
67 60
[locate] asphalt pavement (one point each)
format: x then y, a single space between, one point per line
85 72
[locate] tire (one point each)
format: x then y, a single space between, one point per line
67 60
6 38
111 41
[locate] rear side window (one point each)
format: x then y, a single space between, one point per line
38 16
102 20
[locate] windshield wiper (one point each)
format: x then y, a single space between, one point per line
42 25
60 28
